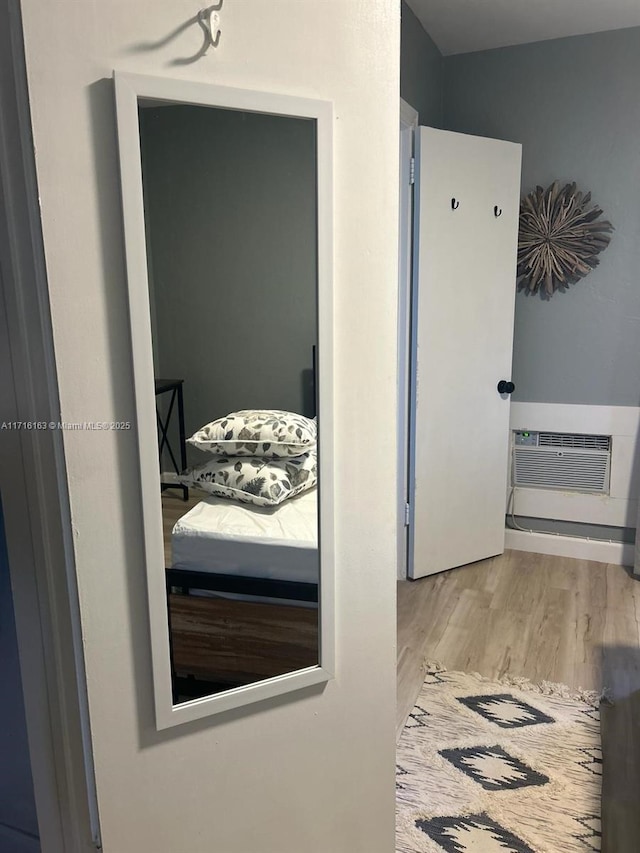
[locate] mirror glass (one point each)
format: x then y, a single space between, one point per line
230 212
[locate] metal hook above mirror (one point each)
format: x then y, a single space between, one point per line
209 20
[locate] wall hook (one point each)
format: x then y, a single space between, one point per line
455 204
497 211
209 20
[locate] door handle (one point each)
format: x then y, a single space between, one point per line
505 387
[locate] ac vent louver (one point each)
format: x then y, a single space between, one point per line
561 461
584 442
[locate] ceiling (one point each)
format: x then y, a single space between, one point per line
463 26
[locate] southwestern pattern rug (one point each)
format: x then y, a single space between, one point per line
499 767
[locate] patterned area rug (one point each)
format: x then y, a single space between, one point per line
499 767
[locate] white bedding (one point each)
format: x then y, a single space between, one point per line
227 537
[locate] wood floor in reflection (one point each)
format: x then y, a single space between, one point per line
173 508
545 618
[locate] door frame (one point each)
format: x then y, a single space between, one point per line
408 124
34 488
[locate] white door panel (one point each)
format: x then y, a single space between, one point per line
464 291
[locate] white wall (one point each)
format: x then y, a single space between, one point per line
311 772
617 509
586 518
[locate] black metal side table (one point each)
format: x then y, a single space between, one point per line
174 386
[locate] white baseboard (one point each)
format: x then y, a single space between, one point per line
617 553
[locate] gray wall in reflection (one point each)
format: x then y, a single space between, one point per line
230 207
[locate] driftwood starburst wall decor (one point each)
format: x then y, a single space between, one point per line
561 235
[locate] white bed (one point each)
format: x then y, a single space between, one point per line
220 536
228 560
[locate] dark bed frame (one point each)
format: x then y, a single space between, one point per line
268 639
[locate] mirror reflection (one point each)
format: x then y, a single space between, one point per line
231 232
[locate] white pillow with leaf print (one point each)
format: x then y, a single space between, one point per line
255 480
268 433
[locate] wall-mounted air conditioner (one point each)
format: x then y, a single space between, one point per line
568 462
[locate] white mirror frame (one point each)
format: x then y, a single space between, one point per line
129 90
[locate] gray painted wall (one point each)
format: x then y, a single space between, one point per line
18 820
421 70
231 213
574 104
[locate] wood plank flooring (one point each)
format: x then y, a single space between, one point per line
173 508
545 618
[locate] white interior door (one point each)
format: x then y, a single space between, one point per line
466 224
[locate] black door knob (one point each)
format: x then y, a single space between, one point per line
505 387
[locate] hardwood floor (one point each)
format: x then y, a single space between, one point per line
173 508
545 618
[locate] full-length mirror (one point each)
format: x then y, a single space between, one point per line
225 204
